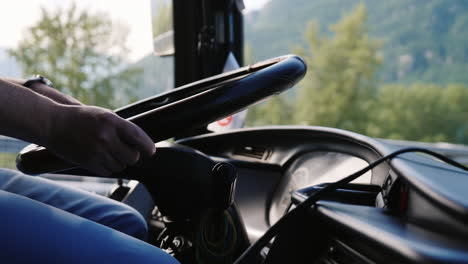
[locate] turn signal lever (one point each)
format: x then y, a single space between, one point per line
224 177
184 182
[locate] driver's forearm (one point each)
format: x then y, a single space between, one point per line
25 114
48 92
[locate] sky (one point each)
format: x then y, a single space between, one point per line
17 15
254 4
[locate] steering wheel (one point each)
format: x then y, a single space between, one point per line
191 106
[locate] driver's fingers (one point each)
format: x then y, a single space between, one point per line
133 135
124 153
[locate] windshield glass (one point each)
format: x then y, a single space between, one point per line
393 69
388 69
98 51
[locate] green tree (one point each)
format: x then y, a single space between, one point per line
277 110
421 112
456 96
162 20
340 83
83 54
248 54
341 90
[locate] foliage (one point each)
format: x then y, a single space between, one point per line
341 90
82 53
248 54
162 20
425 40
421 112
277 110
340 82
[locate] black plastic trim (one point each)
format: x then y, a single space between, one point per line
439 183
387 239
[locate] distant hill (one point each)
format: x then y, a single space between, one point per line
158 75
424 40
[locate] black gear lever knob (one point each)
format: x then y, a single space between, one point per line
224 176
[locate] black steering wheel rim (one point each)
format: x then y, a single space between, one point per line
194 105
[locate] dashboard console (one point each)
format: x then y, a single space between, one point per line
413 209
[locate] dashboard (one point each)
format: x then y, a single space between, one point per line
410 210
313 168
272 163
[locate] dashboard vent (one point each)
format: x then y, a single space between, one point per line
254 152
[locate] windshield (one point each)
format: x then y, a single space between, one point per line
388 69
395 69
98 51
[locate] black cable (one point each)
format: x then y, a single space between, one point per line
250 254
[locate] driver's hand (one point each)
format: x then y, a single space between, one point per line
97 139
